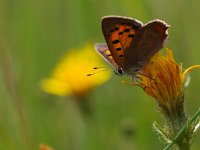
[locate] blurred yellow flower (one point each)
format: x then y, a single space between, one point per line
70 75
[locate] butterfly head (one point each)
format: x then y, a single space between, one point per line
119 71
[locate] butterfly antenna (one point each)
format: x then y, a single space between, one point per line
90 74
101 67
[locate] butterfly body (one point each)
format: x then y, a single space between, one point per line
129 43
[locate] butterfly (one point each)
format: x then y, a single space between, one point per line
130 44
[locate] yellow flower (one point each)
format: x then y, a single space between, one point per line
164 80
70 75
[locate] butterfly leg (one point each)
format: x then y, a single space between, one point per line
138 80
141 84
145 76
141 74
132 83
133 78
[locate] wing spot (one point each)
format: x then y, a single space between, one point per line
120 55
118 49
131 35
120 33
107 52
115 41
110 57
116 28
127 30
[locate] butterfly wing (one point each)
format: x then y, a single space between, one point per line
119 33
103 50
148 40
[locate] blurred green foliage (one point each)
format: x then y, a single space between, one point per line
36 33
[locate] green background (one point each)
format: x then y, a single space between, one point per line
35 34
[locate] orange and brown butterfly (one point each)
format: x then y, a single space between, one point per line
130 44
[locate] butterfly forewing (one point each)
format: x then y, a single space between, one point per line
119 33
148 40
103 50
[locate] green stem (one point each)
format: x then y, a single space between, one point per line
197 114
84 105
6 67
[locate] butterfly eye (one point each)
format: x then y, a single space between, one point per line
119 72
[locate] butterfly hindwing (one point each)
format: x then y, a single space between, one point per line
148 40
119 33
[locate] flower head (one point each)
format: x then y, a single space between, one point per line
70 75
163 79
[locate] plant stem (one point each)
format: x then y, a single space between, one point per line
184 146
192 119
